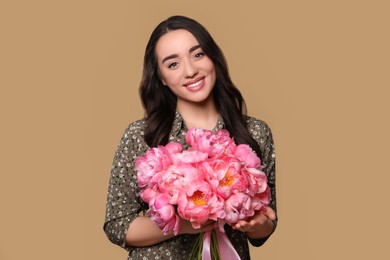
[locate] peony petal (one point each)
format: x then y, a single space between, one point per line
249 157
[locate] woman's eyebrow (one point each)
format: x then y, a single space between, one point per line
194 48
170 57
173 56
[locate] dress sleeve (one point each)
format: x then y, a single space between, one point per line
261 132
123 204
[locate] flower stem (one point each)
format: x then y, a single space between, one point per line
214 248
197 249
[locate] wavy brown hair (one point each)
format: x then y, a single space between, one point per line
160 103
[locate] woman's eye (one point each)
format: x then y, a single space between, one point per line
199 54
172 65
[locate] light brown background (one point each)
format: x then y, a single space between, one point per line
316 71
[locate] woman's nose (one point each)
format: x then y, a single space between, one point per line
190 69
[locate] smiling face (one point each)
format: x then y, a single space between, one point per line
184 68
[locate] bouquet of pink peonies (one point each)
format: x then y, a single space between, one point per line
214 179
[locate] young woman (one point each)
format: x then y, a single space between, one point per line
185 84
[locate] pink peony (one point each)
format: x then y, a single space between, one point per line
213 144
263 198
199 139
174 148
248 156
189 156
221 143
151 164
163 214
177 178
225 175
148 194
198 204
257 181
238 207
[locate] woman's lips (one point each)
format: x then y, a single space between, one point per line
195 84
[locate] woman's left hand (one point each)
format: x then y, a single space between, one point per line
258 226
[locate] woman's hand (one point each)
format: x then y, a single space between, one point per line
258 226
186 227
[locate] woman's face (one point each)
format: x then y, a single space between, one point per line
185 68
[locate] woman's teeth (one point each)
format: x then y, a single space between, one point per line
193 85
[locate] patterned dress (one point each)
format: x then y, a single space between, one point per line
124 204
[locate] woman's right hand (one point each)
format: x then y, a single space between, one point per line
187 228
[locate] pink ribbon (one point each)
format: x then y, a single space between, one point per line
226 248
206 255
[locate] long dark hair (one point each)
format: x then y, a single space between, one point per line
160 103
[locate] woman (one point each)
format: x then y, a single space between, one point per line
185 84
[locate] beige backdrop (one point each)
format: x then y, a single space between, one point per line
316 71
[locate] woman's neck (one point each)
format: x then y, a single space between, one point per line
197 115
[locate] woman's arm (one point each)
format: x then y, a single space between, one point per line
143 232
123 204
260 227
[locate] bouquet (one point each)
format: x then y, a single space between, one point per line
214 179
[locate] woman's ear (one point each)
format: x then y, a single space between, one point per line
163 82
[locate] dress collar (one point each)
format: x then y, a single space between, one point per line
179 125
